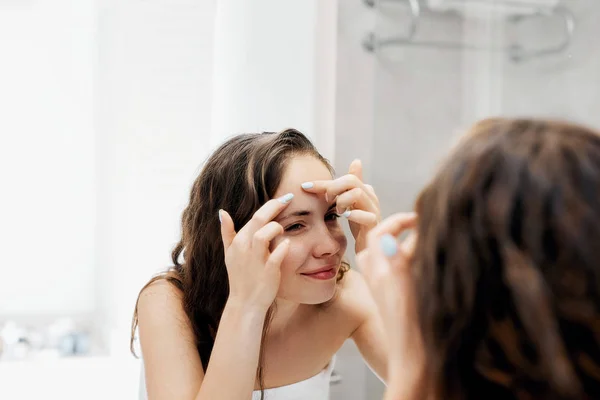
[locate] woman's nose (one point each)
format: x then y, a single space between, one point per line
326 243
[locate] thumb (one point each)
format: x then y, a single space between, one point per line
396 254
356 169
227 228
383 238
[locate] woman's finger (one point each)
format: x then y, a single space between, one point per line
355 199
371 192
361 217
333 188
262 238
391 256
278 254
408 245
227 229
356 169
264 215
383 245
393 225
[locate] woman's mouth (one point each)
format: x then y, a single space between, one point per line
322 274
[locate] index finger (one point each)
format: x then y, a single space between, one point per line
334 187
393 225
266 214
356 169
386 251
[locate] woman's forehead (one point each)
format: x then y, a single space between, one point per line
302 169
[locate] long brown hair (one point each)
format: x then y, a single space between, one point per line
239 177
507 265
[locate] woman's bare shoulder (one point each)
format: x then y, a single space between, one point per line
161 303
172 365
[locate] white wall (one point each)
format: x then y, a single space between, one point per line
47 157
153 93
174 81
108 111
275 68
106 119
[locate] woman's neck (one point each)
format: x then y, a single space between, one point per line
285 313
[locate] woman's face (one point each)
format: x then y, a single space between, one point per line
317 241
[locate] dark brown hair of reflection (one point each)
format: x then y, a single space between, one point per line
239 177
507 264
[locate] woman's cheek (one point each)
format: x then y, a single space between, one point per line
296 254
295 258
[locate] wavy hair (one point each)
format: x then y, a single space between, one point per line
507 264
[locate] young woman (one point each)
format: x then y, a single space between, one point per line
498 295
259 299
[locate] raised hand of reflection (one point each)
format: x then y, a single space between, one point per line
386 264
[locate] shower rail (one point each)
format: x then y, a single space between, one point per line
516 52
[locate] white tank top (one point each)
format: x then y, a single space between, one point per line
314 388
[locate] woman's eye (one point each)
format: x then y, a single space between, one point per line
331 217
294 227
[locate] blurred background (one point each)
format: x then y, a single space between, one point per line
109 107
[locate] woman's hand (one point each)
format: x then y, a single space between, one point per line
386 266
252 266
354 200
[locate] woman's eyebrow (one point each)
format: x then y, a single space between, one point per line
303 213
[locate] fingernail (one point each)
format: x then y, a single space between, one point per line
220 218
286 198
388 245
346 213
326 197
307 185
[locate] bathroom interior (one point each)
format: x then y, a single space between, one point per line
111 106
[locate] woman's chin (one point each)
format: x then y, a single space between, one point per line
309 294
